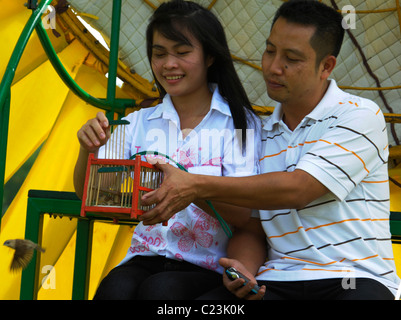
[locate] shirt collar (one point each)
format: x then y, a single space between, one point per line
218 102
166 109
333 94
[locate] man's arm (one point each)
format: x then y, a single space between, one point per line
270 191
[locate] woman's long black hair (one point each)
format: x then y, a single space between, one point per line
171 19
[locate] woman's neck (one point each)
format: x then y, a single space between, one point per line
192 108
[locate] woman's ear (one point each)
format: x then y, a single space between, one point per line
209 61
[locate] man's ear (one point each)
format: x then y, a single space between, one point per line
327 66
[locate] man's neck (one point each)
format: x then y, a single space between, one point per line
295 112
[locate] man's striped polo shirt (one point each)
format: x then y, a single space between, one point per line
342 143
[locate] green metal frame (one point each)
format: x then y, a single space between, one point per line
395 226
40 203
65 205
110 104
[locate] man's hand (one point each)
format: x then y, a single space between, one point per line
94 133
237 286
175 194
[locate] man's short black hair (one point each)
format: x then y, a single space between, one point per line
329 34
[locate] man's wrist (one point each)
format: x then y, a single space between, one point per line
201 187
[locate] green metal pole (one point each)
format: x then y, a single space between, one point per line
19 49
3 147
62 72
118 104
33 231
5 86
113 62
83 252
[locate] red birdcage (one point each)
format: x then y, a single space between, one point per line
114 186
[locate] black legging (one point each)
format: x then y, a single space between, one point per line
157 278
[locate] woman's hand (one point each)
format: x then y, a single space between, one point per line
237 286
95 133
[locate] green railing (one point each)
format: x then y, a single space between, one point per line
60 203
110 104
65 205
395 226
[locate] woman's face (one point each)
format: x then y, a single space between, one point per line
180 68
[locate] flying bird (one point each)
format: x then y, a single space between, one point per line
23 252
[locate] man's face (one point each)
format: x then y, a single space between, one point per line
289 63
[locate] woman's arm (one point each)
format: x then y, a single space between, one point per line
91 137
247 252
236 216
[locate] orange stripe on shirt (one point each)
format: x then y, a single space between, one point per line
325 141
307 269
347 220
269 269
283 235
384 181
325 225
273 155
318 269
311 262
363 162
367 258
330 224
302 144
345 149
289 147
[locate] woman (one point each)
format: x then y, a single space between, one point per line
206 124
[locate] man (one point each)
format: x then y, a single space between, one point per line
323 195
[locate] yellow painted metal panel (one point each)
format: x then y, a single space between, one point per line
36 101
11 8
50 110
11 28
53 170
397 258
395 205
